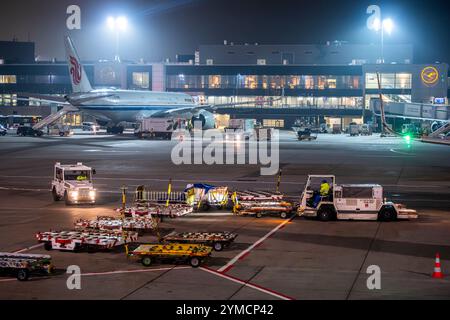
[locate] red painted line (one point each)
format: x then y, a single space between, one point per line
248 284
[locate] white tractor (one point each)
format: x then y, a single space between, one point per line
73 183
349 202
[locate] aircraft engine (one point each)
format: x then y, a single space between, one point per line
206 118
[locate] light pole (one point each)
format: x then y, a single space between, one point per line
117 24
384 26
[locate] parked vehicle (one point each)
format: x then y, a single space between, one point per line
354 129
366 130
3 130
90 126
159 128
239 129
29 131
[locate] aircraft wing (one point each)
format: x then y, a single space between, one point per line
74 99
193 110
43 98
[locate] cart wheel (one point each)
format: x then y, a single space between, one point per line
205 206
66 199
23 275
146 261
48 246
91 249
55 195
194 262
283 215
218 246
259 214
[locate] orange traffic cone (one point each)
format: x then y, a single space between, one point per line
437 268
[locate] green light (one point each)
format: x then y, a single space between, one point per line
407 139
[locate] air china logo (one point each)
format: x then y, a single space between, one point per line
430 76
75 70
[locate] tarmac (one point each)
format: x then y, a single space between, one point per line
272 258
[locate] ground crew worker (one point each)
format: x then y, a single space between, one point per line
82 177
324 188
323 193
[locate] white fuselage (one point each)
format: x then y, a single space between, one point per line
132 105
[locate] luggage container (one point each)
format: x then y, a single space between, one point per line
92 241
217 240
23 265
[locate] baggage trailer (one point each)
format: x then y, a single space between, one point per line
141 209
217 240
259 203
349 202
195 254
22 265
107 223
260 208
74 240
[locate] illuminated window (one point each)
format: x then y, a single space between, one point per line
8 79
8 99
403 81
273 123
309 82
331 83
214 81
250 82
141 80
389 81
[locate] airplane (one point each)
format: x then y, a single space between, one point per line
111 107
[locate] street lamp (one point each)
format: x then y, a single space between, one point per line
117 24
387 25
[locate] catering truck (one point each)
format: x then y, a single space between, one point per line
159 128
349 202
240 129
73 183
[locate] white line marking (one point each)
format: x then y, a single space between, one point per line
403 153
247 284
244 252
131 271
29 248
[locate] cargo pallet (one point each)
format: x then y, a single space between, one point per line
92 241
22 265
195 254
107 223
156 210
259 203
217 240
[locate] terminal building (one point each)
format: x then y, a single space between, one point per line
331 83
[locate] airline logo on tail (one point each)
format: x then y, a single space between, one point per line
75 70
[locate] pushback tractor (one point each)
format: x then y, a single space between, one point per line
349 202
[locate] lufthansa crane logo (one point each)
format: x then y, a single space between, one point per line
75 70
429 75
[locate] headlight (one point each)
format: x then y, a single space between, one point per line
74 194
92 193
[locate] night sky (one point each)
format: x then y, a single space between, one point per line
163 28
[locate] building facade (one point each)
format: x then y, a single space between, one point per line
333 84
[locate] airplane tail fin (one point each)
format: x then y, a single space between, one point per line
78 77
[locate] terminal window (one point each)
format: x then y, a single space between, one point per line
141 80
273 123
8 79
389 81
